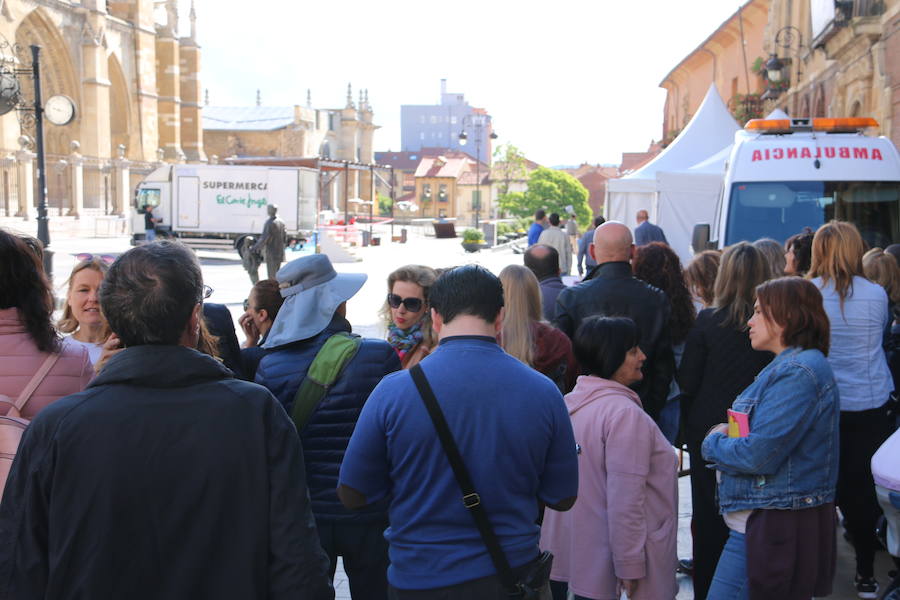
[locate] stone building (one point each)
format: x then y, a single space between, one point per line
727 58
299 132
136 90
841 59
452 185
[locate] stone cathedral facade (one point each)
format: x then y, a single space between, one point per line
136 89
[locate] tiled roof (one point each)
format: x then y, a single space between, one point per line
441 166
470 178
247 118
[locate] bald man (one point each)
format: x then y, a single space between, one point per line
646 231
612 291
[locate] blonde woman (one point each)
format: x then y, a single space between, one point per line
525 335
81 316
881 268
407 314
700 277
858 313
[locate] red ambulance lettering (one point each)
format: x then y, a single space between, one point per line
876 154
757 155
778 153
805 153
844 152
860 153
792 153
829 152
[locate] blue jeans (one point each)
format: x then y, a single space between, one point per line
150 235
670 419
730 581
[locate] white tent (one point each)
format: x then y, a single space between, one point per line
681 185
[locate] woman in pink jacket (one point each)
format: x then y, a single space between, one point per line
620 535
27 336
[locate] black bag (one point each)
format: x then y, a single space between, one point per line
529 585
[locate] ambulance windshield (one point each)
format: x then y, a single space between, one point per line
779 209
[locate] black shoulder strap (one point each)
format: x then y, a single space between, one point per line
471 500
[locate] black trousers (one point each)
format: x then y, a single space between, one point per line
709 529
485 588
861 434
365 554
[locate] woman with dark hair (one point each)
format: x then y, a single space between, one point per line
620 535
260 309
657 264
798 253
718 363
858 312
28 340
777 457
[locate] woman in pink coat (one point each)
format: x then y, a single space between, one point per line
27 336
620 535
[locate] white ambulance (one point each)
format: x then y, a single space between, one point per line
787 174
214 205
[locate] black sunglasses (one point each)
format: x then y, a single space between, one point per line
411 304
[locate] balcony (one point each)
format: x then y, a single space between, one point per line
745 107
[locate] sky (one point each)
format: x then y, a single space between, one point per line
567 81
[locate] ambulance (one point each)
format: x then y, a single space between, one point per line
787 174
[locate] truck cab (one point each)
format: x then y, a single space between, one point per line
787 174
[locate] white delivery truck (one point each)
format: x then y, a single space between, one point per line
787 174
216 205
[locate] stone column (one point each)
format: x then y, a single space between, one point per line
25 175
168 83
191 121
348 143
76 181
145 81
122 177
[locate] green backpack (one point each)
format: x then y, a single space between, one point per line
326 368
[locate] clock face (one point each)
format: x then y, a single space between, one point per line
59 110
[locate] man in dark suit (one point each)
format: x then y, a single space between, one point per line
543 261
646 231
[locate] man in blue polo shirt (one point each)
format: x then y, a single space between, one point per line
514 435
538 227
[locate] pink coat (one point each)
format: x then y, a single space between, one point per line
624 523
20 359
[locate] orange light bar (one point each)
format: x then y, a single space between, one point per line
769 125
843 124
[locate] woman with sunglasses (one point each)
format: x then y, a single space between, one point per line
260 309
81 318
406 313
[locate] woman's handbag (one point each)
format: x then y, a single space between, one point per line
529 585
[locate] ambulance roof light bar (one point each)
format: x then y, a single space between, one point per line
829 125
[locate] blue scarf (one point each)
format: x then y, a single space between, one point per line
404 340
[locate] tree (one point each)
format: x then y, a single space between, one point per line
554 191
384 205
509 166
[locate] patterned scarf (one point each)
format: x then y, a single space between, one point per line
404 340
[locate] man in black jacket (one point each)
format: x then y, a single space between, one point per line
613 291
543 261
165 478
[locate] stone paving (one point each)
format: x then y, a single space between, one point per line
223 272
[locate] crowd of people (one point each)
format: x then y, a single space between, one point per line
510 436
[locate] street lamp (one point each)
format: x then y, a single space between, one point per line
477 124
775 67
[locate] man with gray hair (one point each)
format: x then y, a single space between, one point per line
166 477
612 291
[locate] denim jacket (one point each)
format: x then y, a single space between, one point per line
790 458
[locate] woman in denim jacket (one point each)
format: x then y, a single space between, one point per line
778 476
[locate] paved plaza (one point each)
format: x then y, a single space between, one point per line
223 272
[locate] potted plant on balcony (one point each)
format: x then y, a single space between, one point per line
473 240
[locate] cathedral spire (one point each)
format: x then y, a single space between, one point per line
193 18
349 96
309 97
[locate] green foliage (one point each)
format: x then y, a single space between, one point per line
509 166
553 191
384 205
474 236
505 228
511 202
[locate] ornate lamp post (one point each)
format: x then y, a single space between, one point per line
778 77
477 124
60 111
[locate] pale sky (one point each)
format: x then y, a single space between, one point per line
568 81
